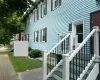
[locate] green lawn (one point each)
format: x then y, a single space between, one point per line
21 64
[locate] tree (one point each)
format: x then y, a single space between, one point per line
11 15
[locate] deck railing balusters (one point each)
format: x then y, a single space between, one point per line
76 67
84 56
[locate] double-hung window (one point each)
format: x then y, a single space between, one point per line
28 21
27 37
44 8
36 35
36 15
79 32
55 4
43 35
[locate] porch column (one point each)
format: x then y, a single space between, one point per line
96 41
44 65
59 39
66 66
96 46
71 42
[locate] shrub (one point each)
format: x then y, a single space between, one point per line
34 53
29 49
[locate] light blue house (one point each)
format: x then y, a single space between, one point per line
52 20
54 17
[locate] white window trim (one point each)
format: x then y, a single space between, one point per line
54 5
43 6
36 36
42 35
74 27
35 15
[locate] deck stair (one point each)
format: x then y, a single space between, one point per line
63 62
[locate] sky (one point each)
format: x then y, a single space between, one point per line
33 0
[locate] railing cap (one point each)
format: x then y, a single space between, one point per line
65 55
96 27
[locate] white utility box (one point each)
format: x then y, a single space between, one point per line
20 48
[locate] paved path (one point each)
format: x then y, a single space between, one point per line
35 74
3 49
6 69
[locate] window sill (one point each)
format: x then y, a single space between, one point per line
55 8
36 42
43 16
43 42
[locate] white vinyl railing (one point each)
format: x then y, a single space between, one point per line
82 52
53 58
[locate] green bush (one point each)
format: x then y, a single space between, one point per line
29 49
34 53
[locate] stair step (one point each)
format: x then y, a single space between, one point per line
51 78
88 72
58 73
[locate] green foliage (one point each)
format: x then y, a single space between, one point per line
34 53
29 49
11 15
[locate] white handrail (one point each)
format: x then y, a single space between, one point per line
59 43
54 69
81 45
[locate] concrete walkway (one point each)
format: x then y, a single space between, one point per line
35 74
6 69
3 49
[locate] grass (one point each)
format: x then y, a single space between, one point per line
21 64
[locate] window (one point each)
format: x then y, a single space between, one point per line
43 36
27 37
28 21
36 34
51 5
41 11
59 2
70 27
79 32
36 15
55 4
44 8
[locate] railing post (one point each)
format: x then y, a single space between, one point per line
60 45
96 46
96 41
44 65
71 42
65 74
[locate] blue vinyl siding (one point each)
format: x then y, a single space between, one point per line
57 21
